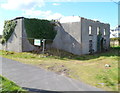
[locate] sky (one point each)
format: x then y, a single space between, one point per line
104 11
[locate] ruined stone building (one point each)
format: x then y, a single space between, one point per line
75 34
81 36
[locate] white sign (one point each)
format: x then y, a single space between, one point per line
37 42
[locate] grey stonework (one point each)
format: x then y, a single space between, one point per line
68 38
71 36
14 43
74 37
86 37
18 41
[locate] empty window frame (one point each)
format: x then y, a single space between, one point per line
90 45
98 30
104 31
90 30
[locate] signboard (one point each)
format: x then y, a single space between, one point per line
37 42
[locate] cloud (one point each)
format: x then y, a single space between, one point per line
36 13
42 14
30 4
54 16
22 4
55 4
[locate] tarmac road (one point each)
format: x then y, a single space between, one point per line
36 79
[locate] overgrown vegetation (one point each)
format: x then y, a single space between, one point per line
35 28
8 86
9 27
115 42
39 29
88 68
115 39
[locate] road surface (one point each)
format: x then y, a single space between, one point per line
35 78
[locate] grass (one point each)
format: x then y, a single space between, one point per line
7 86
87 68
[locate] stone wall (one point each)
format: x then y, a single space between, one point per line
14 43
86 37
18 41
74 36
68 37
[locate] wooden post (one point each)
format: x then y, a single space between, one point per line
43 46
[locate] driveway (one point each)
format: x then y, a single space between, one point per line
35 78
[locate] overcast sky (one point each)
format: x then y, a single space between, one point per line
104 11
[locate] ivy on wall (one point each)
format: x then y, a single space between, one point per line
9 27
39 29
99 41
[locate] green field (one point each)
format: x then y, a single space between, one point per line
87 68
7 86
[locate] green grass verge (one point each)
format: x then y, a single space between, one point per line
87 68
7 86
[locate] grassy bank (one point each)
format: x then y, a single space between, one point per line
87 68
7 86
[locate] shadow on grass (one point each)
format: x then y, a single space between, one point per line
63 55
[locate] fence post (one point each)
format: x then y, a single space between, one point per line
43 46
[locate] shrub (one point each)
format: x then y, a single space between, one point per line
113 39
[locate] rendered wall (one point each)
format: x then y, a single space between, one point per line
86 37
74 36
18 41
68 37
14 43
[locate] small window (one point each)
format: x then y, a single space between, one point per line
90 30
98 30
104 32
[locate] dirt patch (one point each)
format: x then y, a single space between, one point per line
60 69
63 72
